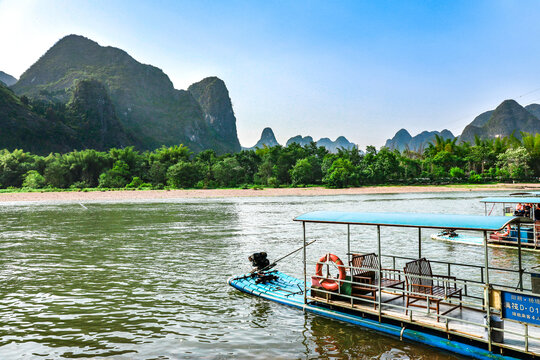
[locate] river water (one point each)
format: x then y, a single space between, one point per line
147 280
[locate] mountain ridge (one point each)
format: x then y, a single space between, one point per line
267 139
18 122
145 101
403 140
7 79
508 118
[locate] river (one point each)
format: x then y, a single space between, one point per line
147 280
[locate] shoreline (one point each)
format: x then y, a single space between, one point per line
116 195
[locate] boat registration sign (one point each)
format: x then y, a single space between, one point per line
520 307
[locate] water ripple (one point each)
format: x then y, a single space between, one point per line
148 279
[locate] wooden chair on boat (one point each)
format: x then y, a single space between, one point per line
422 284
364 276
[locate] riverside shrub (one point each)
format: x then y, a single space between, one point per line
184 174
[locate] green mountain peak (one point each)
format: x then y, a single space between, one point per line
144 99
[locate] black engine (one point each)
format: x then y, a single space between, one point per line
259 260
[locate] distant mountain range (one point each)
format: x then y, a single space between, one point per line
7 79
509 117
404 141
135 104
332 146
269 139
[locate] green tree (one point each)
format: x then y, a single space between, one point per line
341 174
86 166
249 161
161 159
302 172
457 173
13 165
532 144
56 172
228 172
133 158
117 177
33 180
184 174
475 178
446 160
515 161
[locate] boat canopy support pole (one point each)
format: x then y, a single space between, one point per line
487 290
519 256
305 270
419 243
349 243
380 272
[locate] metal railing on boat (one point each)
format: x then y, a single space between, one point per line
424 318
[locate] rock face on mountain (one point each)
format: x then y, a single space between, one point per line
509 117
7 79
403 140
267 139
213 97
91 114
144 99
482 119
22 128
534 109
332 146
400 141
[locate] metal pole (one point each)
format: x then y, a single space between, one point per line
485 209
349 243
519 256
305 270
419 243
487 295
380 274
535 233
526 337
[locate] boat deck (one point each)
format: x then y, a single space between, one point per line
289 291
472 328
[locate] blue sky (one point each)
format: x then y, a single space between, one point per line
362 69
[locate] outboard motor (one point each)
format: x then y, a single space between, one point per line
259 261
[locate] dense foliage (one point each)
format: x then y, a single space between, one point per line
443 161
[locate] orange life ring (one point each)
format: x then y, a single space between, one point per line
506 234
330 284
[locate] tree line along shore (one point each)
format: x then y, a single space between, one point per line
444 161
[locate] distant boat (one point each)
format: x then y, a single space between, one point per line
528 236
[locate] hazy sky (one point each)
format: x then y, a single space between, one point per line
362 69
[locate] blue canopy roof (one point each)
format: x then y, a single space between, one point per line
438 221
512 200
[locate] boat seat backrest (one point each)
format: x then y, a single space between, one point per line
418 272
366 265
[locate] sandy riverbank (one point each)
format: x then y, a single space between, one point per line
224 193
